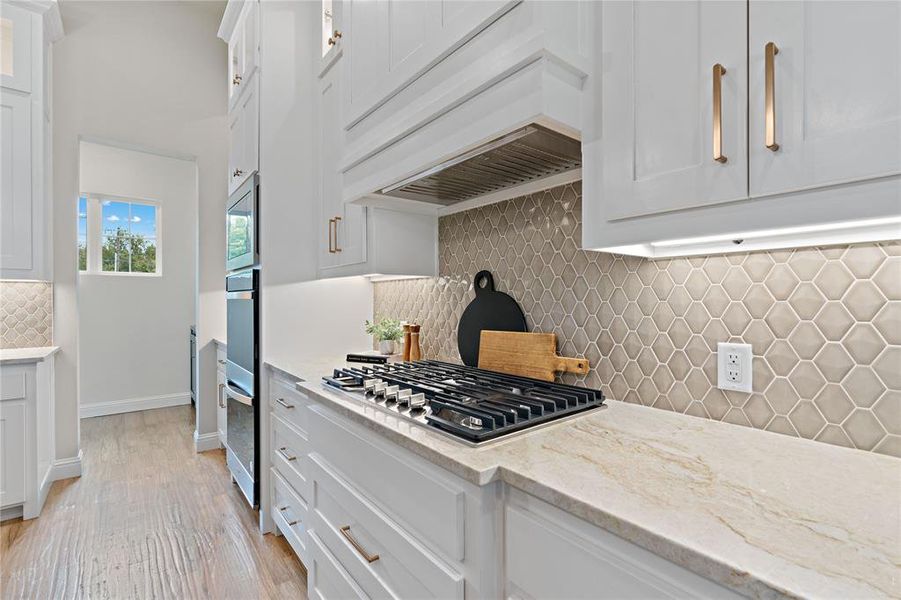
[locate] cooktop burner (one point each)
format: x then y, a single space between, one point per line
468 403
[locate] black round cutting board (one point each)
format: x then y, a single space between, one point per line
490 309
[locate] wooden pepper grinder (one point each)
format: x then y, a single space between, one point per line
407 335
415 349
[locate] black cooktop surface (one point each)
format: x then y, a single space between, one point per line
469 403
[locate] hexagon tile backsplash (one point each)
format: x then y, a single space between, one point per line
824 323
26 314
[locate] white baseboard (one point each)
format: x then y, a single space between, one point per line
11 512
64 468
99 409
206 441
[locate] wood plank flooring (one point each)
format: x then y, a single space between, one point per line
149 518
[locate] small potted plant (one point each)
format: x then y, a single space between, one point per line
386 332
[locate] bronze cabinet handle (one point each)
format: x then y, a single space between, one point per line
770 52
336 35
285 455
331 234
221 401
236 80
283 403
337 248
345 531
718 72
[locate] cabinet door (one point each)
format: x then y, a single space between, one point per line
251 44
235 71
250 113
330 135
16 227
658 121
12 452
235 148
836 97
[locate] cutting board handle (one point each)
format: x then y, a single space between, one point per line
572 365
483 276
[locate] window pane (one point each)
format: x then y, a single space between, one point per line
82 234
116 253
143 254
115 217
143 220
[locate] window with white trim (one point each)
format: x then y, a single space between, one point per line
118 236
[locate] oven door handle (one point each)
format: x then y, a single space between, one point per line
239 296
237 395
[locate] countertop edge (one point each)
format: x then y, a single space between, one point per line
27 355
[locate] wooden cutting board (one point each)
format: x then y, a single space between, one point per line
526 354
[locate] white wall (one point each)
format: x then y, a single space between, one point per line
133 342
150 74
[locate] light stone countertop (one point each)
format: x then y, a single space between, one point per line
762 513
15 356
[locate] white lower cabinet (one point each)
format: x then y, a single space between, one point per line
26 437
551 554
370 519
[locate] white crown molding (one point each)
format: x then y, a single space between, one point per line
230 19
113 407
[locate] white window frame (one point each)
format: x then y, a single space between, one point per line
95 235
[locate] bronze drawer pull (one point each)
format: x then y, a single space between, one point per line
770 52
371 558
285 455
718 72
283 403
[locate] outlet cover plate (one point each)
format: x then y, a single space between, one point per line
733 367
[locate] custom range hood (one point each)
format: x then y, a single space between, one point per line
526 155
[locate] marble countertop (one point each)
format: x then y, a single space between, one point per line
14 356
762 513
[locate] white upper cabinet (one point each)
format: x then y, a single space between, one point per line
388 43
27 31
244 136
735 126
836 104
16 201
343 239
674 117
243 49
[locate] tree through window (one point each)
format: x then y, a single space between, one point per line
118 236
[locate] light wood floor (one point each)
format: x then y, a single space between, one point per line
149 518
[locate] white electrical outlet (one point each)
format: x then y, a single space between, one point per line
733 365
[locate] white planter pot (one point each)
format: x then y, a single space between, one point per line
386 346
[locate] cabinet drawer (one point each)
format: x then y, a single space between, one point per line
290 513
289 404
327 579
380 556
402 485
289 455
549 553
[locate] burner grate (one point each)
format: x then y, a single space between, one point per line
470 403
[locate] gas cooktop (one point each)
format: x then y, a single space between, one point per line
468 403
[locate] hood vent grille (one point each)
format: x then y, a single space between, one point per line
525 155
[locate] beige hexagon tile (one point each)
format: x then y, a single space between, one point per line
26 314
823 322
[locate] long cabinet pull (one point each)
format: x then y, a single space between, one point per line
331 236
221 400
718 72
283 403
285 455
345 531
337 248
770 52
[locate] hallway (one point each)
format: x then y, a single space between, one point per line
149 518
